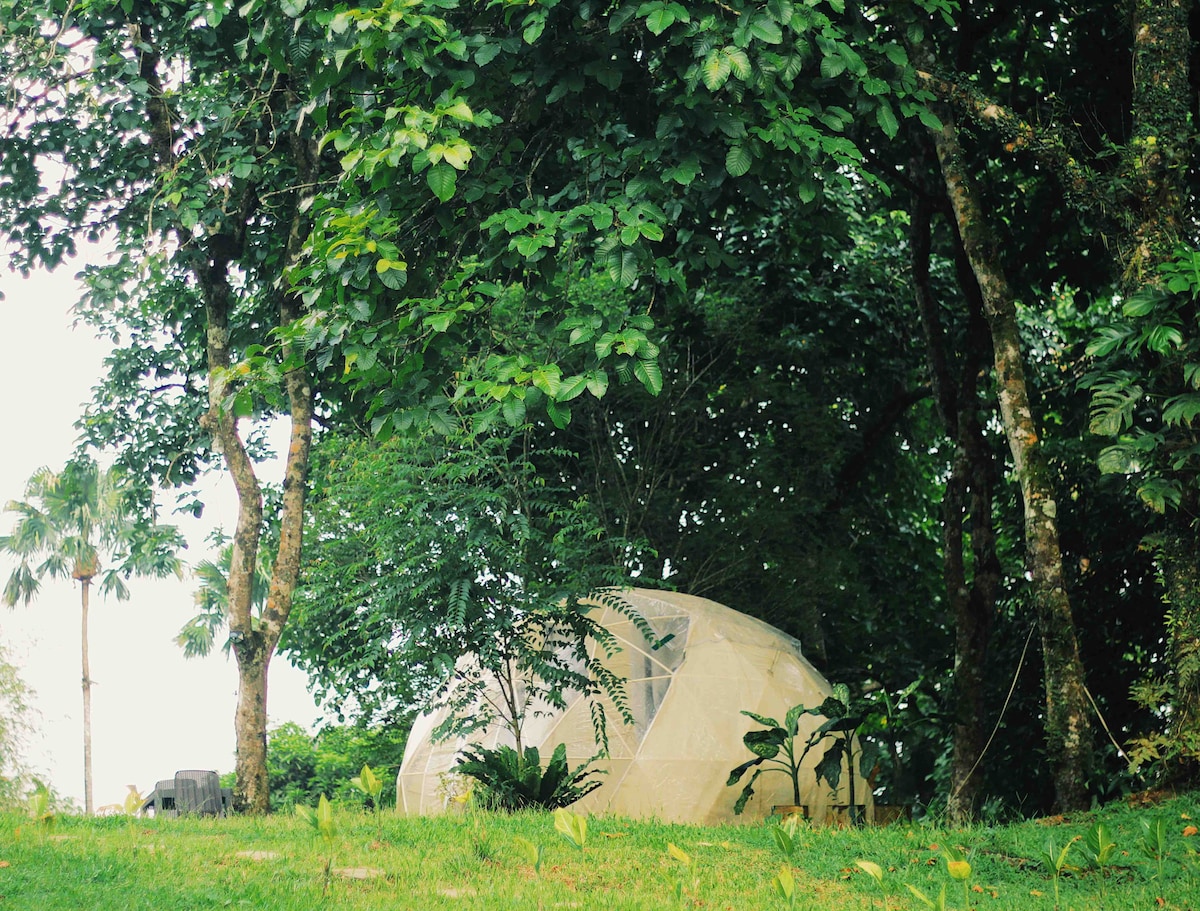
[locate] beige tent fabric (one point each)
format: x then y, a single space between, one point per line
686 697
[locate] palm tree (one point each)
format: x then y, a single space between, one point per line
73 521
199 634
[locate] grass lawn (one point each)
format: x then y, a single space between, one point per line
477 860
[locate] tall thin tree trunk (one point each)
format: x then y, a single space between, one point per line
88 804
971 598
1068 724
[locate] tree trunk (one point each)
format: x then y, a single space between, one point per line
967 496
1068 727
1158 160
252 788
88 803
254 642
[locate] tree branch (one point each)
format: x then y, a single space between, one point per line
1045 142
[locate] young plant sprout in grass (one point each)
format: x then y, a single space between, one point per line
785 841
1055 861
959 869
370 785
321 819
684 858
1100 848
874 871
132 804
571 826
40 809
531 852
785 836
785 886
937 905
1154 842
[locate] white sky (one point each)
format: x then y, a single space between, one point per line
153 712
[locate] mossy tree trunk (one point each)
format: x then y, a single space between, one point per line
1067 722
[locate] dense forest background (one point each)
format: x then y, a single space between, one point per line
875 321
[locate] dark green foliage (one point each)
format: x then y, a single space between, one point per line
515 781
304 766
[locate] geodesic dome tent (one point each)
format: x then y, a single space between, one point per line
686 697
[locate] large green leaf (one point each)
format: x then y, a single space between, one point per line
716 69
738 160
442 180
886 118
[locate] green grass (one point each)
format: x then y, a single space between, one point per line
472 861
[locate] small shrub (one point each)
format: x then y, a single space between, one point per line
516 781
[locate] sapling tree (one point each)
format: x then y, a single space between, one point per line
465 592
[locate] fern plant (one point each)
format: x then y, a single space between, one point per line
517 781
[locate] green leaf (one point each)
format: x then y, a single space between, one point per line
571 387
560 414
243 404
514 411
457 156
739 63
535 24
622 267
872 869
442 180
571 826
649 375
548 379
1113 407
1119 458
1144 302
738 161
886 118
766 29
486 53
597 383
650 231
716 70
785 884
928 118
1108 339
460 110
1158 493
832 66
1181 409
660 20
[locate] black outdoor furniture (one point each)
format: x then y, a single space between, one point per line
190 791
